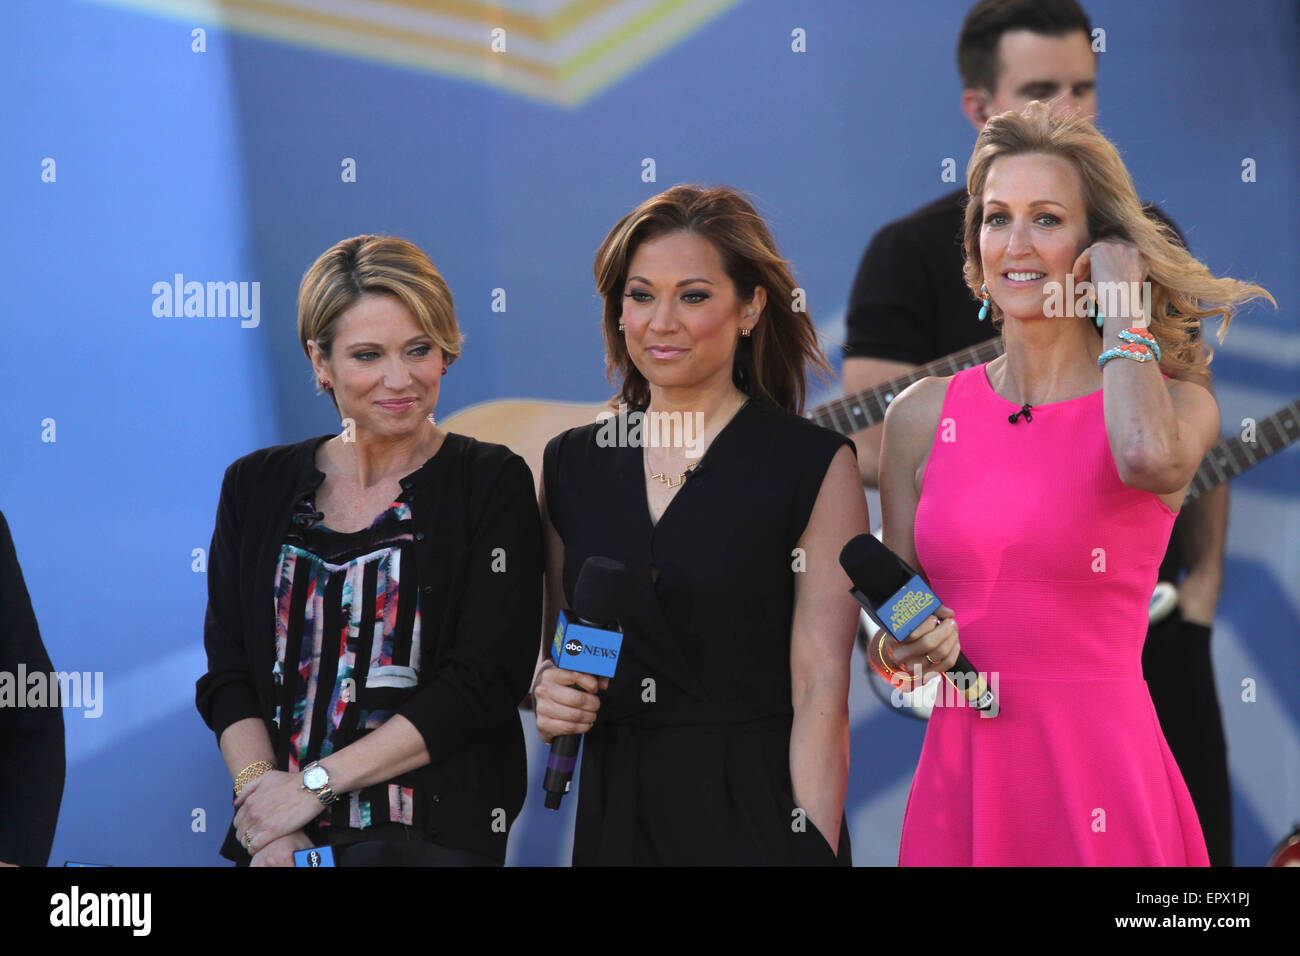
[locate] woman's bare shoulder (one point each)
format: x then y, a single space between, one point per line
917 409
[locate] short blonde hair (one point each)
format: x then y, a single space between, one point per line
375 265
1183 290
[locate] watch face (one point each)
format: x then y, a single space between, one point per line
315 777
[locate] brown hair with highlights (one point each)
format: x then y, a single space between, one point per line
772 362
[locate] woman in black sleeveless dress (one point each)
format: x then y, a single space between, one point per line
723 737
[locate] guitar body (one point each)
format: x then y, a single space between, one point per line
1163 601
523 426
1287 853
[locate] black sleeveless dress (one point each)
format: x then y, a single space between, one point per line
688 761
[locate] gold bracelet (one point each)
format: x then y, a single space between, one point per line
892 671
249 774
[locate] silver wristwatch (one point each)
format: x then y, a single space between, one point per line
316 779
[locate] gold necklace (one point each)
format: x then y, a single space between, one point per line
680 478
660 476
664 478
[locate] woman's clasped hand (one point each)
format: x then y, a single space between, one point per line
271 807
933 646
566 702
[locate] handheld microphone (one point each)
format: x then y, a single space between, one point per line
898 600
588 640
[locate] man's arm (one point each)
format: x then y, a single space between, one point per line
860 374
902 296
1204 527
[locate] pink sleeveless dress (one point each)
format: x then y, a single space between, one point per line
1026 531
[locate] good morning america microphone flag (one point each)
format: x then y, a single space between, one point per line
897 598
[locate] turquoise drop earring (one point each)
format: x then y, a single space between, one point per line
984 309
1095 312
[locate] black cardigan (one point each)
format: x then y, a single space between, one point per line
480 571
31 738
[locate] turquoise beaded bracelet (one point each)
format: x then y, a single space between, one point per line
1126 351
1147 340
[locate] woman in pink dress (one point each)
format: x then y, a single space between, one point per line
1036 494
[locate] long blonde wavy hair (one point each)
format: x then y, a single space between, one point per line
1183 290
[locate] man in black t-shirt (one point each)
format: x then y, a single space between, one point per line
910 306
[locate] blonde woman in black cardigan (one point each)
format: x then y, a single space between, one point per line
376 709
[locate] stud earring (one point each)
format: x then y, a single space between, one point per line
620 327
444 370
744 333
984 309
324 383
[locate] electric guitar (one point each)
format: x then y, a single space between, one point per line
526 426
1225 461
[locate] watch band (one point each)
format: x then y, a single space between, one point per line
324 793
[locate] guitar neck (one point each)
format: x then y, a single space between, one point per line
1232 456
863 409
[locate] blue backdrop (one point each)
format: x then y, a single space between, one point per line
130 157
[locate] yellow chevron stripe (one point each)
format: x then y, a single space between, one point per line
346 25
628 30
559 24
567 83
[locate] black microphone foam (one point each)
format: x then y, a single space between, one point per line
873 568
599 590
